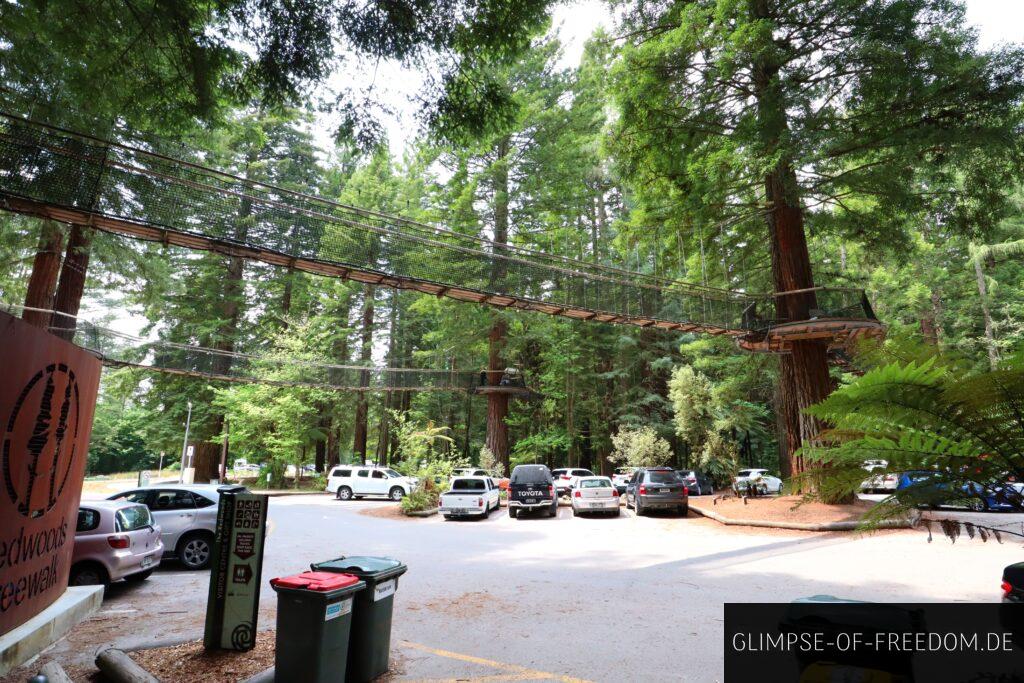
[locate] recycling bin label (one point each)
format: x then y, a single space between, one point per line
337 609
385 589
233 600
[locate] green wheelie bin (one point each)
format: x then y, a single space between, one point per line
370 643
314 620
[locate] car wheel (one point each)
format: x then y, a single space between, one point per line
513 512
978 505
141 576
616 513
195 551
88 574
396 494
684 510
638 506
344 493
553 512
575 512
699 491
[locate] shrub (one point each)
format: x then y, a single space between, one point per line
640 448
421 500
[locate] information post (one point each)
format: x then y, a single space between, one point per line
237 568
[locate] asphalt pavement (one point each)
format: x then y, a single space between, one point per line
597 599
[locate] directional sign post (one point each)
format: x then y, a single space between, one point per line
237 567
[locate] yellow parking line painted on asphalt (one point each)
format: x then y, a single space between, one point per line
516 672
478 679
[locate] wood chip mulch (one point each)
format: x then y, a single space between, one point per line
190 663
785 509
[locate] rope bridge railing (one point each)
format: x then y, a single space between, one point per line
117 349
139 192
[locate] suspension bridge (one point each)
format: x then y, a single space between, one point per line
130 190
119 350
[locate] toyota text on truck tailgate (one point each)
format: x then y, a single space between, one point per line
532 488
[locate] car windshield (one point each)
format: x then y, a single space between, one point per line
595 484
468 485
530 475
392 473
743 473
662 477
132 518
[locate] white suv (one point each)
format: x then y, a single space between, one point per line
565 478
355 481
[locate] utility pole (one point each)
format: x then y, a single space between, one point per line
224 452
184 443
161 467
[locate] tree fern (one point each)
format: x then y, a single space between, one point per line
920 411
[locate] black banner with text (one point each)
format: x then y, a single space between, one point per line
863 641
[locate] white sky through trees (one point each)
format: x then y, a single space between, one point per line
997 22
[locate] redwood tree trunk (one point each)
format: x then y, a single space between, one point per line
986 314
497 404
43 282
72 281
365 356
804 377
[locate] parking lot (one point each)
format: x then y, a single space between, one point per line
597 599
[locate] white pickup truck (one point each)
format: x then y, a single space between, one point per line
470 497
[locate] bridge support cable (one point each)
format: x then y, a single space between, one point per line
133 190
116 349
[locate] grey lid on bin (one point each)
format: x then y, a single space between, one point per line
363 566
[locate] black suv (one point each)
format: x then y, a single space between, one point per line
657 488
531 487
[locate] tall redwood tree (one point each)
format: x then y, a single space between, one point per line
853 118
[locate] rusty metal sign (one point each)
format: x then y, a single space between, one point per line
47 399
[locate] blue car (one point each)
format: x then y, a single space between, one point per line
938 492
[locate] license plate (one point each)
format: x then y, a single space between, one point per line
595 505
146 561
665 490
530 501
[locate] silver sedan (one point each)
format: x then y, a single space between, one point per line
594 494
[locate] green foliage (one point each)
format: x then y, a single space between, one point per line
487 460
693 403
420 444
117 444
710 419
928 413
640 448
421 500
719 459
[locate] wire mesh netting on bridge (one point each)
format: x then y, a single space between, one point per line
130 190
116 349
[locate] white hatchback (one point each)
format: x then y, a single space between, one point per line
355 481
594 494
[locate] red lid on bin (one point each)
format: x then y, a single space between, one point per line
315 581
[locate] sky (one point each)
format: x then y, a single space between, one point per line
997 22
